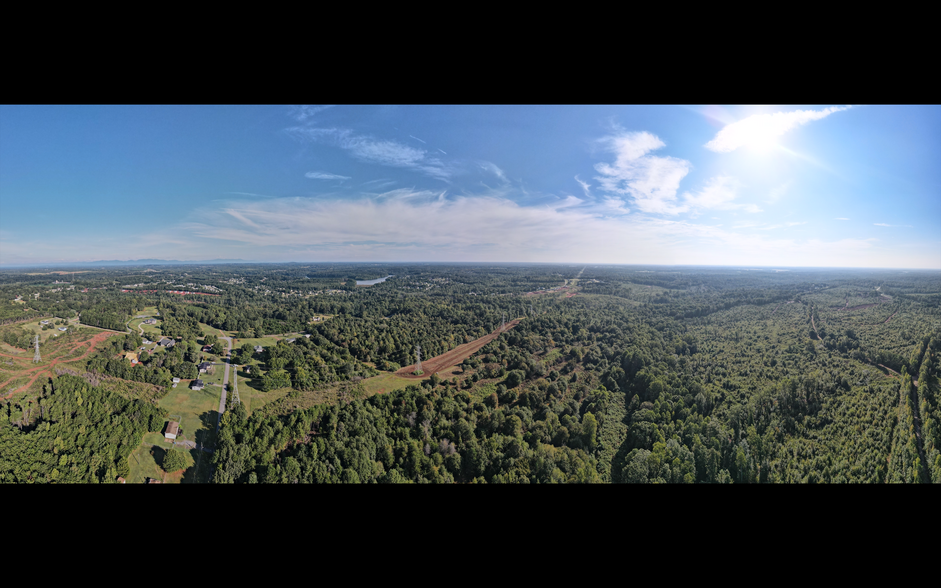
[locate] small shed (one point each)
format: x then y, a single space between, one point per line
173 428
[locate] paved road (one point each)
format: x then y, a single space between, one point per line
225 384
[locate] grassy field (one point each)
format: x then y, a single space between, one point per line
386 382
198 409
36 327
218 371
144 461
152 332
254 399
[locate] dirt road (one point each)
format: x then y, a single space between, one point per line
47 369
452 358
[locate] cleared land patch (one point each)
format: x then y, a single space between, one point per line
452 358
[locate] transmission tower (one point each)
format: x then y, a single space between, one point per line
503 323
36 358
418 359
531 311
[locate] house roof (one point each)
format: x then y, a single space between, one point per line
131 356
173 428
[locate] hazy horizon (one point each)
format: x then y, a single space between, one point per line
772 187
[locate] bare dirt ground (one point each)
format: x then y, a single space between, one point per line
449 359
47 369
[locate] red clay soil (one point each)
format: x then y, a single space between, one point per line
439 363
47 369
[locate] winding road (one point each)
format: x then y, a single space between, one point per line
225 383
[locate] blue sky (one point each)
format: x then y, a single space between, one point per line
796 185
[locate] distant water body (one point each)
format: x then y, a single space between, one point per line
371 282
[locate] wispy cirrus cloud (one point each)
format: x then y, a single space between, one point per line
840 218
379 151
486 227
783 225
888 225
494 169
325 176
585 187
302 113
779 191
760 128
718 193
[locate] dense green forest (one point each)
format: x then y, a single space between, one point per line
613 374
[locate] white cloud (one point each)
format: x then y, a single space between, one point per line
491 228
492 168
886 225
776 193
302 113
780 225
585 186
718 193
652 181
762 128
325 176
379 151
840 218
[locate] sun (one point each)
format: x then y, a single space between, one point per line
760 135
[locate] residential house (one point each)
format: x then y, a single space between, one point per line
150 321
173 428
204 367
259 348
197 385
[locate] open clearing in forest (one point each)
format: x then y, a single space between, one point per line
144 461
452 358
61 351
